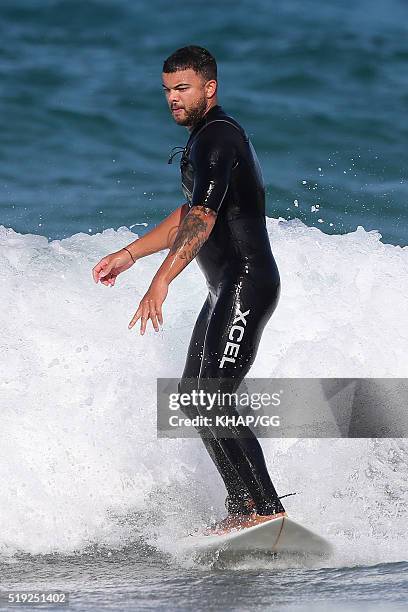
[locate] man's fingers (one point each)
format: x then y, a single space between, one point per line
108 280
136 317
153 317
99 270
159 313
95 273
105 270
144 318
147 310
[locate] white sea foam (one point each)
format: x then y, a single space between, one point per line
80 462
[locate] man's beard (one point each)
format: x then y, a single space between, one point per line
194 114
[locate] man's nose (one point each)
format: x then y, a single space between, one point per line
174 96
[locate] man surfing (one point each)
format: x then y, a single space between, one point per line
222 225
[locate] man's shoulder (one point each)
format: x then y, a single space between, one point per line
225 122
221 128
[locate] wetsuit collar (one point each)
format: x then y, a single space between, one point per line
209 115
214 110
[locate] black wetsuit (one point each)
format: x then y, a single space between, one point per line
220 170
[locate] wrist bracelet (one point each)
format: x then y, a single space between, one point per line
134 261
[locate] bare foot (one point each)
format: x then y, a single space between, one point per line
240 521
232 521
257 519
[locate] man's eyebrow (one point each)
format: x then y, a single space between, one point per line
178 85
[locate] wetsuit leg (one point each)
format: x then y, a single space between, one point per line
239 500
241 303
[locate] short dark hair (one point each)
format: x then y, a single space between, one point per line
197 58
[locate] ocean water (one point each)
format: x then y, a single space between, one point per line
91 502
321 88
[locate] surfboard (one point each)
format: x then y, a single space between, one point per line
279 535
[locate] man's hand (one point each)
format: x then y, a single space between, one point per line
150 306
110 266
192 234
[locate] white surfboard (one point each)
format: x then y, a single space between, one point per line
279 535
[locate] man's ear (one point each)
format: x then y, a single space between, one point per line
211 88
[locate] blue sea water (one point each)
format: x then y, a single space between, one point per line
321 88
90 501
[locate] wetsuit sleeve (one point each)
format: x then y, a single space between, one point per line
212 156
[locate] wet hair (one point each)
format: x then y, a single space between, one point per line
197 58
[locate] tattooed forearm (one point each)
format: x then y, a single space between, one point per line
189 253
175 228
172 234
193 232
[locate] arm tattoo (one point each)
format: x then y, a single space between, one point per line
171 233
192 234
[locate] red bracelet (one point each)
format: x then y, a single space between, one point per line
134 261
